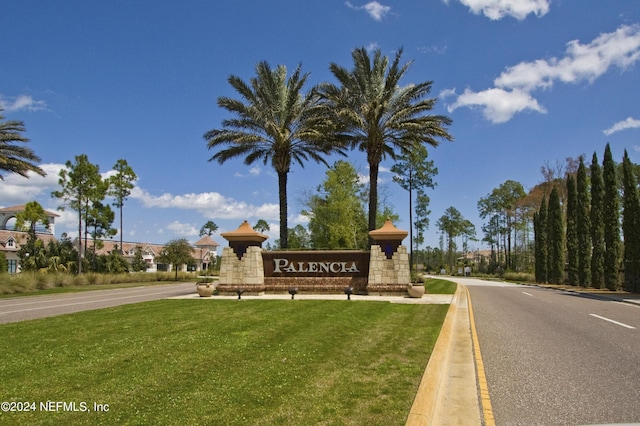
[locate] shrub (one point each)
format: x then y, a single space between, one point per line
519 277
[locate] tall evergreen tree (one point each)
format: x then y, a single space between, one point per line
583 226
555 231
80 183
542 252
630 226
572 231
597 227
503 202
120 186
611 220
413 172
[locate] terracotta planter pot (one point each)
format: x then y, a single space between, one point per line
205 289
416 291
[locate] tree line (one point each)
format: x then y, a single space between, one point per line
592 239
83 190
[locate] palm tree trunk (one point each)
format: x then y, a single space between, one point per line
373 195
411 219
282 192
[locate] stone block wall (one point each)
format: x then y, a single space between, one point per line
389 271
247 273
388 275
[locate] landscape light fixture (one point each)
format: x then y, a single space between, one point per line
348 291
293 291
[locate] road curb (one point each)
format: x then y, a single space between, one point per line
594 295
447 393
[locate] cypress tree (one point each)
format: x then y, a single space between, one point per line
555 231
583 226
542 252
536 246
572 231
597 227
630 226
611 220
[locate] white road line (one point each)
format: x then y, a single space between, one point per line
34 300
612 321
70 304
528 294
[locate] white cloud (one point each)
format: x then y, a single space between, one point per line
300 219
68 219
182 229
498 9
375 10
372 46
446 93
629 123
21 102
253 172
439 50
19 190
582 62
209 204
498 105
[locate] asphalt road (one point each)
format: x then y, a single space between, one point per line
31 307
557 358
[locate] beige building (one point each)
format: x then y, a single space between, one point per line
204 252
11 240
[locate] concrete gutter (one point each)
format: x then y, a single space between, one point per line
448 393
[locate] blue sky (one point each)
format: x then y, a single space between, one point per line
526 82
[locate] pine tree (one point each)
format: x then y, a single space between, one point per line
630 226
583 226
541 242
555 241
597 227
611 220
572 231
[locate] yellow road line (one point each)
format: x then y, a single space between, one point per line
485 400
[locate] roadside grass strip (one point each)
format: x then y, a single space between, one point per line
228 362
439 286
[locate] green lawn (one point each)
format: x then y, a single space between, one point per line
222 362
439 286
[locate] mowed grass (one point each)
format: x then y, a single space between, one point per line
439 286
222 362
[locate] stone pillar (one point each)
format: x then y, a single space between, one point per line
389 263
241 265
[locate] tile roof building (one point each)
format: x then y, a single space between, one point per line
204 253
10 239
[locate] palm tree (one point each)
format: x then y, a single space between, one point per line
16 159
372 112
275 122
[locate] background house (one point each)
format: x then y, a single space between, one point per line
11 240
204 252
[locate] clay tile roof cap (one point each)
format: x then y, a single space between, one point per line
206 241
388 232
244 233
